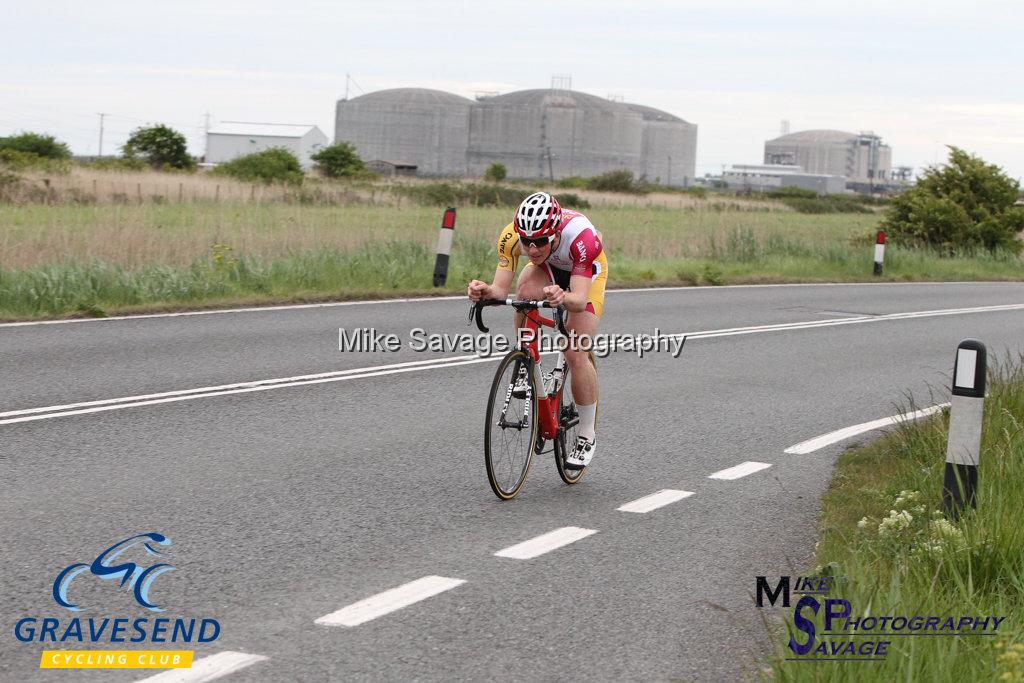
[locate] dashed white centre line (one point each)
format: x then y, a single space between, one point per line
389 601
552 540
207 668
655 501
741 470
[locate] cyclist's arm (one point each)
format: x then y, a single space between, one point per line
508 259
576 298
498 289
583 252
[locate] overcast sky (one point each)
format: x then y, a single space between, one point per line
919 74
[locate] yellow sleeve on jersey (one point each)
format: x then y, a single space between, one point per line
509 249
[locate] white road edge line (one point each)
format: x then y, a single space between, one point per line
207 668
389 601
739 471
535 547
48 412
655 501
820 442
334 304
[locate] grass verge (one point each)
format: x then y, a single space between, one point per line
895 554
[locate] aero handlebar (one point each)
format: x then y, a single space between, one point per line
476 312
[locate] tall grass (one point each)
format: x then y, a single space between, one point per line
895 554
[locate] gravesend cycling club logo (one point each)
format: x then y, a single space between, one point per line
138 578
827 629
131 566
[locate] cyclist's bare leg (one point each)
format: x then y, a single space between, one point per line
582 374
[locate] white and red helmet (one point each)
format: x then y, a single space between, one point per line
538 216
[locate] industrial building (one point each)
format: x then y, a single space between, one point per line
862 158
425 128
553 133
758 178
233 139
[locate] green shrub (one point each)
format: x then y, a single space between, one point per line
574 182
39 144
339 161
495 173
160 146
17 160
786 192
712 274
572 200
966 203
271 165
698 192
615 181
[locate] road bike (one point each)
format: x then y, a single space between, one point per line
518 424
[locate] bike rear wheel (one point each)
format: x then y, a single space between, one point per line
568 428
510 430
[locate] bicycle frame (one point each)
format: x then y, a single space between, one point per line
548 404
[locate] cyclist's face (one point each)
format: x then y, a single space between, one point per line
539 255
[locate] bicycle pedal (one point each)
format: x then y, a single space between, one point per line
539 447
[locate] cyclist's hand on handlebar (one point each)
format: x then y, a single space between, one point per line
477 290
554 294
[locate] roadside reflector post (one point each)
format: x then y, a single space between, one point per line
965 415
444 247
879 251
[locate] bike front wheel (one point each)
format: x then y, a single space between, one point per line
510 430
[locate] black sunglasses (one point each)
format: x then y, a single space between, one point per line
537 241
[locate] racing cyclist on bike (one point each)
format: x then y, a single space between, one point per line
567 266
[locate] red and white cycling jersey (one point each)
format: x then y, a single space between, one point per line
579 247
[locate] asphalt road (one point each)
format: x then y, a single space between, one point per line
291 502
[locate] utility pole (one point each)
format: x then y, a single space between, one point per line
347 78
101 135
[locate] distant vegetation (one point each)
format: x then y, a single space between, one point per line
271 165
38 144
612 181
495 173
34 151
964 204
160 146
339 161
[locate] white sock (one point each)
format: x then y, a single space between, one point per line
588 416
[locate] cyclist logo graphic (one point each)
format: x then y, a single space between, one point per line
138 578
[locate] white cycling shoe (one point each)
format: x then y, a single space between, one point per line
581 454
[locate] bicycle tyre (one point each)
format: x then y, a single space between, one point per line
506 472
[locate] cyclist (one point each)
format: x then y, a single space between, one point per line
567 266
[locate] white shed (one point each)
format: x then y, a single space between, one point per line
233 139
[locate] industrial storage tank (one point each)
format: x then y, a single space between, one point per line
553 134
669 147
862 158
417 126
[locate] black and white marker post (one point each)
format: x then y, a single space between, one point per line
879 251
444 247
965 415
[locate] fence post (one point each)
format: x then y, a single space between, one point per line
444 247
965 418
879 251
